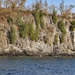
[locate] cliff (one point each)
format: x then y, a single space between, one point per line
45 45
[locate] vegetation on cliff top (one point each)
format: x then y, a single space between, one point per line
54 16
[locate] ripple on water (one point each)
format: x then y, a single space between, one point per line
36 66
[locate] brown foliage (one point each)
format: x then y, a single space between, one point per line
50 29
45 13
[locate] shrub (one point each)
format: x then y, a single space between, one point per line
73 23
45 13
23 30
54 16
46 41
37 6
19 20
9 20
37 19
41 19
12 36
62 38
41 13
31 32
61 26
36 34
72 27
55 40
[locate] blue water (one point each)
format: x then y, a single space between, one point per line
36 66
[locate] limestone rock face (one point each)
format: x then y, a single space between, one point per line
3 39
39 48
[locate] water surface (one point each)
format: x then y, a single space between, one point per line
36 66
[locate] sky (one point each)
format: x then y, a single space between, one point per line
55 2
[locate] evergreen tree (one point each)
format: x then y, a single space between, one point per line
19 20
31 32
54 17
61 26
23 30
72 27
41 19
12 36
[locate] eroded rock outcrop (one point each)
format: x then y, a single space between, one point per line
32 48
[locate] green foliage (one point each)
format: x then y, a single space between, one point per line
62 38
73 23
37 6
23 30
54 17
41 19
31 32
46 41
55 40
72 27
37 19
41 13
12 36
19 20
61 26
9 20
36 34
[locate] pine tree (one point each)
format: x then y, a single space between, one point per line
54 17
12 36
31 32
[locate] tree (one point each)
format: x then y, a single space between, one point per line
62 7
23 30
22 4
67 11
12 36
41 14
1 1
54 16
61 26
19 20
31 32
7 3
45 6
55 40
33 6
51 9
37 6
72 27
13 6
41 5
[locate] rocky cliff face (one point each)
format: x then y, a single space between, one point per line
40 48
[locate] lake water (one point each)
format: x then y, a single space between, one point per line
36 66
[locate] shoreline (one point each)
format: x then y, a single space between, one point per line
23 55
